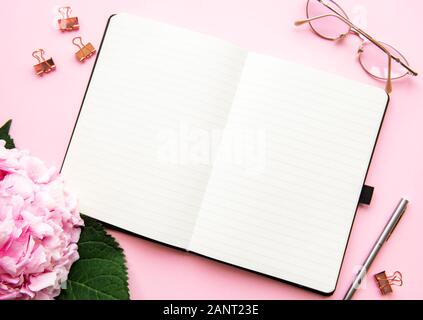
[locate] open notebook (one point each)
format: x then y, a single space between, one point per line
240 157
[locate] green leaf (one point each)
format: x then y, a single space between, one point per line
100 273
4 135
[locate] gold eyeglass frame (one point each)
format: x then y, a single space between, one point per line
355 30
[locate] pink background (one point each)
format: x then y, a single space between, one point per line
44 111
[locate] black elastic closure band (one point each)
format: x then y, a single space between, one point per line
366 195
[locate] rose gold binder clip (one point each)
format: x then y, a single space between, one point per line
385 282
43 66
67 23
85 50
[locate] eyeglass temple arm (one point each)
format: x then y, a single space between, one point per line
360 31
388 86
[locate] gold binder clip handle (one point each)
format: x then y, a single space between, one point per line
65 12
39 55
85 50
43 65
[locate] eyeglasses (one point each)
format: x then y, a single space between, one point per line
329 21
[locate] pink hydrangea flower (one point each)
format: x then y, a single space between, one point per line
39 227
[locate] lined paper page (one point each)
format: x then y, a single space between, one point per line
137 155
283 204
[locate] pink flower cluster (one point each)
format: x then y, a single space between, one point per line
39 228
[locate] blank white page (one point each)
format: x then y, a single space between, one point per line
284 205
154 91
